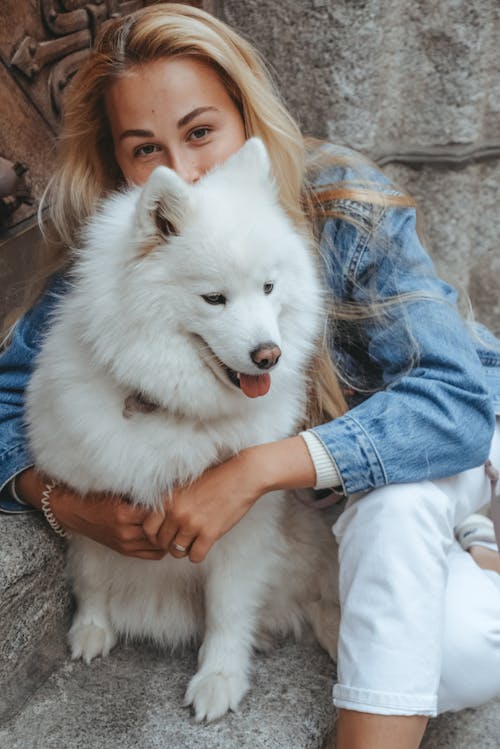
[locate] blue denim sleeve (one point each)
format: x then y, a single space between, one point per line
432 415
16 364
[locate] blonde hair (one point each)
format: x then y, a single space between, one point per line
86 170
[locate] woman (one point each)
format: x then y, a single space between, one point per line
171 85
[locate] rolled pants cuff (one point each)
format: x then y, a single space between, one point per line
384 703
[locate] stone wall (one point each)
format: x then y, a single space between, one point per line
416 85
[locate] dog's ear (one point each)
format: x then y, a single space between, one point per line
162 203
252 160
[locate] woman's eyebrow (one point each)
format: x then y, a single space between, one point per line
136 134
181 123
194 113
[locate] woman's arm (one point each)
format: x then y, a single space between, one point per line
16 365
433 414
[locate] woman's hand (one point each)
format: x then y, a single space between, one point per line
106 519
103 518
196 516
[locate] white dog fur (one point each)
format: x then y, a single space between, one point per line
135 324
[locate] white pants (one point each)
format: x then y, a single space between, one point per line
420 626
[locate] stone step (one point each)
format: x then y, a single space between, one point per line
133 698
468 729
34 607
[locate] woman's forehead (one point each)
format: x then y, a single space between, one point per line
175 83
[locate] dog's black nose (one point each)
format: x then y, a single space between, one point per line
266 355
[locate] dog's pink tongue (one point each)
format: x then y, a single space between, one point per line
255 385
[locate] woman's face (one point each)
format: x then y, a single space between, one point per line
174 112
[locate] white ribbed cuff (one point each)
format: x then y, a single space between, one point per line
327 475
13 492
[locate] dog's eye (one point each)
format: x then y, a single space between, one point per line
214 298
268 287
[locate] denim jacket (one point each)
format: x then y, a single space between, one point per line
422 391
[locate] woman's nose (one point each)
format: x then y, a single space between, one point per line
185 167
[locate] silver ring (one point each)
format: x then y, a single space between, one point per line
178 547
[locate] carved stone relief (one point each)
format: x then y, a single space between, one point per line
14 190
73 24
42 44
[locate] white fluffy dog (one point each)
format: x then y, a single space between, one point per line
179 294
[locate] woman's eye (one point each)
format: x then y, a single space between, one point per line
199 133
146 150
268 287
214 298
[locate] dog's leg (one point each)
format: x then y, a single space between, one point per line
324 613
239 569
325 621
91 633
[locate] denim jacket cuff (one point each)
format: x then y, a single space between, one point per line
12 462
354 453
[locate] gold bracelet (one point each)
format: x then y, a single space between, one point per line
47 511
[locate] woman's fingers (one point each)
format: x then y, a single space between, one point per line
161 529
152 555
200 548
180 545
123 512
168 531
136 545
152 524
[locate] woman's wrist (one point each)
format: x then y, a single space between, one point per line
37 490
285 464
30 486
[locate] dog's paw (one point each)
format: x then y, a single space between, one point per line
88 640
213 694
